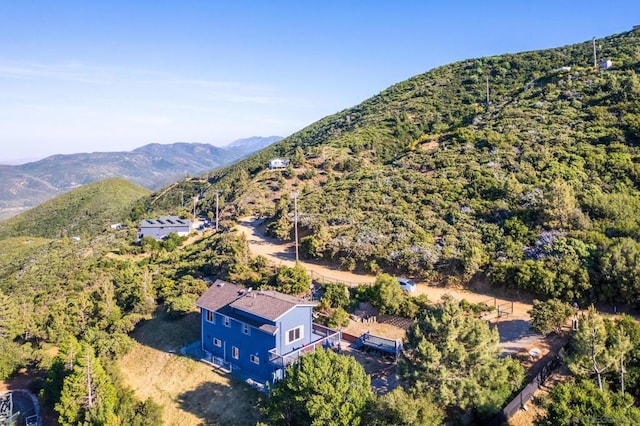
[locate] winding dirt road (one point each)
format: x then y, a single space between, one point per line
513 326
284 254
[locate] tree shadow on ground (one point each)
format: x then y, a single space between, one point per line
515 329
166 334
218 404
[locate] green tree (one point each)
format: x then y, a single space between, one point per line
12 356
282 225
88 395
387 295
323 388
621 345
172 242
315 245
549 316
335 295
559 204
339 318
590 356
621 270
582 403
181 305
293 280
149 244
454 354
400 408
10 319
297 160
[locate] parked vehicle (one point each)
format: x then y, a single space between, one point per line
407 285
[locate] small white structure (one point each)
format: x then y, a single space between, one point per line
605 65
562 69
278 163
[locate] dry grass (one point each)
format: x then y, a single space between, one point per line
376 328
190 391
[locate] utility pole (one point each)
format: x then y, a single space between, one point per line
295 220
595 60
217 196
488 102
195 201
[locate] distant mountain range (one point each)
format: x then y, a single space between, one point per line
151 166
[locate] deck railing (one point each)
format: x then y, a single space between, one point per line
331 339
383 344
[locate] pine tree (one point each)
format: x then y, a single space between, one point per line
591 355
455 355
10 318
87 393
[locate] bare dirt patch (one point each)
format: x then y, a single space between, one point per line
190 391
430 146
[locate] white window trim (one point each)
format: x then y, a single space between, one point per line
254 359
217 342
211 315
301 328
235 352
246 329
227 322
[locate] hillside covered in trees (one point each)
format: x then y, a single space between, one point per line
536 189
85 211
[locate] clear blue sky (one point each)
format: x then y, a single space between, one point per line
84 76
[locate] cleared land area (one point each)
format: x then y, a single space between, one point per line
190 391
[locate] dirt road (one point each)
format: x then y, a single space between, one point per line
284 254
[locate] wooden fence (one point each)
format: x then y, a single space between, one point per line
546 366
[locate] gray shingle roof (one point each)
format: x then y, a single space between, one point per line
269 305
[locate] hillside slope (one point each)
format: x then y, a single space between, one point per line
84 211
539 188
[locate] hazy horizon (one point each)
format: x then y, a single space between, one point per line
25 160
101 77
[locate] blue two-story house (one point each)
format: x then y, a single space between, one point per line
256 334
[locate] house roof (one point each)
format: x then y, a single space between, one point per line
228 298
263 325
219 294
163 221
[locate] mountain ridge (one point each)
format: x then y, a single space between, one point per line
151 166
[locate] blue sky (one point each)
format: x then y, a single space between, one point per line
84 76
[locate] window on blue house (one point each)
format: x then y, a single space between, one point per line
217 342
227 321
245 328
294 334
235 352
254 359
209 316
